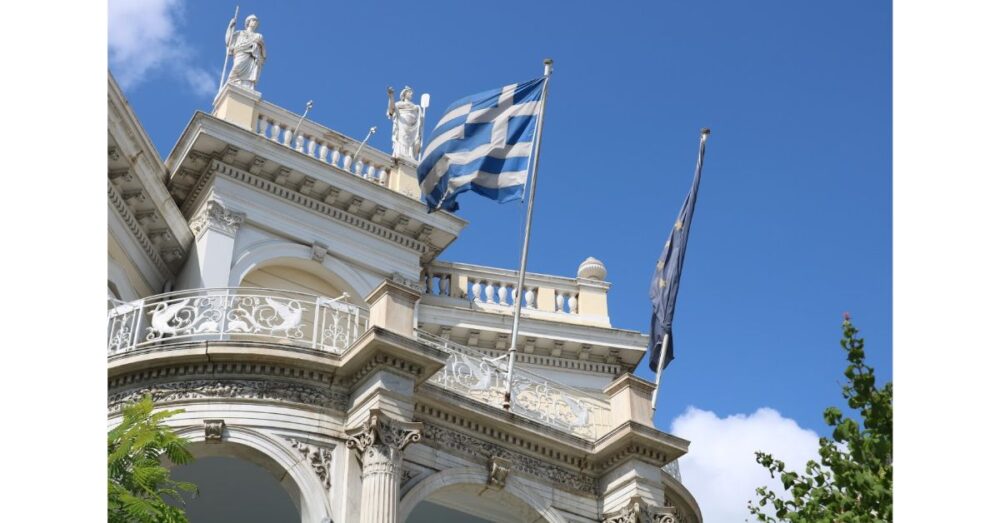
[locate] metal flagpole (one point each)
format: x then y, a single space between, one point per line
659 372
225 63
527 236
666 337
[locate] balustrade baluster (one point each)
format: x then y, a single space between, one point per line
502 294
323 152
446 285
347 162
261 124
311 148
529 298
273 130
572 304
489 292
287 142
335 158
560 301
476 287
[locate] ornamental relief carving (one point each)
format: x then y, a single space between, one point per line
319 458
232 389
216 217
487 451
380 430
638 511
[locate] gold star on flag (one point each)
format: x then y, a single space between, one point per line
678 225
663 283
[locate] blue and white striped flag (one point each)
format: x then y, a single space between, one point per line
483 143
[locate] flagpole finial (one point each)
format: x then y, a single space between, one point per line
706 130
548 66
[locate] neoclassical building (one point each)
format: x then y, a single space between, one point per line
288 292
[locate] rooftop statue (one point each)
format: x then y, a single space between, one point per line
407 124
247 49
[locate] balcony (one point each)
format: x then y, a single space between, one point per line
329 325
276 316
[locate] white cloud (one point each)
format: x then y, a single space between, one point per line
143 41
719 468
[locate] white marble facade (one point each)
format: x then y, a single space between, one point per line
292 301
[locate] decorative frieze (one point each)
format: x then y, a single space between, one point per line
319 458
216 217
231 389
486 451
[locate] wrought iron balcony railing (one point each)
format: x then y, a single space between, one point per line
277 316
476 376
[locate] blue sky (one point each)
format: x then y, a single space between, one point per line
793 224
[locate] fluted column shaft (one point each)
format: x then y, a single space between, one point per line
379 443
380 477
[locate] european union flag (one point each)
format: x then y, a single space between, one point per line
667 277
483 144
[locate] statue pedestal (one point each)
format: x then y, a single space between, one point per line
404 178
237 106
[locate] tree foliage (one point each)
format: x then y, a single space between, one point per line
138 484
853 481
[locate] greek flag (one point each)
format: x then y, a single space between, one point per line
483 143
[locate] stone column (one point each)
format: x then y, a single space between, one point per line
379 443
214 229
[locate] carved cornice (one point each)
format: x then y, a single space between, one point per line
313 203
137 231
319 458
216 217
230 389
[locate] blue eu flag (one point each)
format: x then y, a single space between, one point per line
667 277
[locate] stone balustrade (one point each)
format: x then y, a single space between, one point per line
275 316
326 145
495 289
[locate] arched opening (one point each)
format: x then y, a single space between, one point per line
300 275
467 503
233 489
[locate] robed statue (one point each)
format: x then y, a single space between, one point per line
407 125
247 49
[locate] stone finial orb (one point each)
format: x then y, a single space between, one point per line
592 269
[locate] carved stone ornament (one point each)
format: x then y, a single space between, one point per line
498 470
382 430
232 389
408 283
216 217
320 458
638 511
466 444
213 430
318 252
